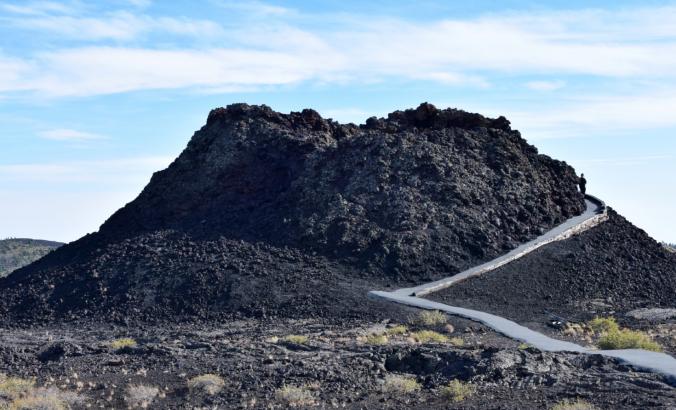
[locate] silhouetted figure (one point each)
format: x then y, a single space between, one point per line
583 184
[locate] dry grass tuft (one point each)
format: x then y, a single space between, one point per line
208 383
578 404
14 387
21 394
39 402
396 330
429 318
429 336
296 339
376 339
295 396
457 390
122 343
140 395
400 385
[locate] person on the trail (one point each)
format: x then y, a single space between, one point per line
583 184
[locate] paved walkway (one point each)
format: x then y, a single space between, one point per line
595 214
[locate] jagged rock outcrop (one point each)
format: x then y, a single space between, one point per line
301 202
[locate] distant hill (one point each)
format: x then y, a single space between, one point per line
670 246
15 253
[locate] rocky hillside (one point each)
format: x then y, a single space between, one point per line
15 253
288 213
608 270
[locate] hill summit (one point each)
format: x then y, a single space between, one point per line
293 214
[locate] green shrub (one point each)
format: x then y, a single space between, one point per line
376 339
523 346
578 404
429 318
400 384
457 390
296 339
614 337
604 324
294 396
627 339
396 330
122 343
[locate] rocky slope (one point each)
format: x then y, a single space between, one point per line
263 208
606 271
18 252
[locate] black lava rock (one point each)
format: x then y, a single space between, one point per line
273 214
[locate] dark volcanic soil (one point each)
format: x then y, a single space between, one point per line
335 367
294 215
608 270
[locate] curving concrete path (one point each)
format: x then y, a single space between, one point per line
595 214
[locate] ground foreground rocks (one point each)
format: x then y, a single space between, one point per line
333 368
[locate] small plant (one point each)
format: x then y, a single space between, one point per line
627 339
429 318
21 394
43 402
456 341
208 383
295 396
296 339
14 387
429 336
604 324
578 404
140 395
122 343
523 346
377 339
396 330
614 337
400 384
457 390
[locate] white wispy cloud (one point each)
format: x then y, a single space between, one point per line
616 45
542 85
597 115
450 52
256 7
108 70
120 25
65 134
36 8
109 171
140 3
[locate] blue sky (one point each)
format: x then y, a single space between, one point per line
95 96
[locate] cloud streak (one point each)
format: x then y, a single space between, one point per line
65 134
448 52
111 171
625 45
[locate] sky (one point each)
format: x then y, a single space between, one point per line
96 96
